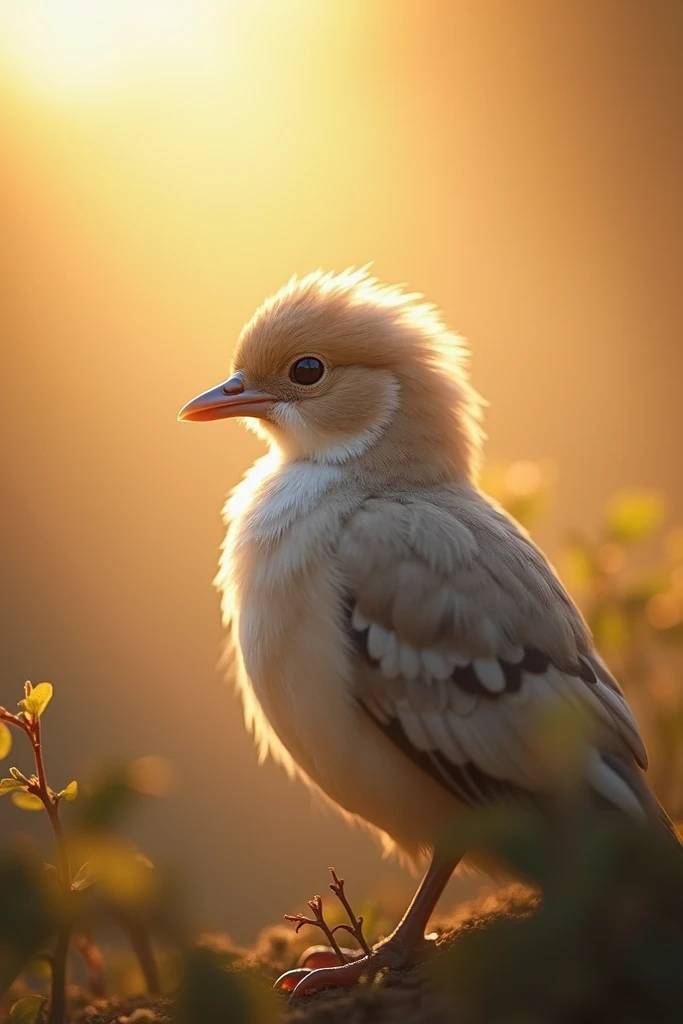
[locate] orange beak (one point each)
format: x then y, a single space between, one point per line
227 399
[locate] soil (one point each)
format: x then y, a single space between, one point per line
493 962
408 995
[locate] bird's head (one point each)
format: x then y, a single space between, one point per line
339 368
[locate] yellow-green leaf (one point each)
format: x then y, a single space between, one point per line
634 515
85 877
39 968
36 700
70 793
10 785
27 801
5 740
26 1010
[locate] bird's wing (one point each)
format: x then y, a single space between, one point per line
465 638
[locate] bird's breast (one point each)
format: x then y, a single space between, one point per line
282 595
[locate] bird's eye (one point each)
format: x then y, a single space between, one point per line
307 371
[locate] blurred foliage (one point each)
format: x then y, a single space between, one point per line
49 911
97 875
29 916
604 942
215 988
627 578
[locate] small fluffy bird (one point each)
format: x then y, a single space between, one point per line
397 637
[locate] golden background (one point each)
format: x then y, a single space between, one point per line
166 165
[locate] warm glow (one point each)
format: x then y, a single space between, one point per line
167 164
71 47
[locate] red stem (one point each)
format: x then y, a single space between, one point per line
57 1010
51 805
31 726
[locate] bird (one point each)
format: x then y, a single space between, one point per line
395 635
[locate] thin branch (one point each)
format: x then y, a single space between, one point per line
356 926
57 1010
318 921
19 723
50 803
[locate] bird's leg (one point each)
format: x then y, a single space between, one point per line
408 936
395 952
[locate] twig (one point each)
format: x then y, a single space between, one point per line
356 926
318 921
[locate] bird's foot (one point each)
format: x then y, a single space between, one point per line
321 968
325 957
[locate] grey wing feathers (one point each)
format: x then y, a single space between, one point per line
460 694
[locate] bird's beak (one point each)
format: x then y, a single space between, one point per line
227 399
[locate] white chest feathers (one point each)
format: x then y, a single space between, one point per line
273 498
281 600
278 555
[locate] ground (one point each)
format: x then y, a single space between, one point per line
410 996
506 958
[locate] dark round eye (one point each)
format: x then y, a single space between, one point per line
307 371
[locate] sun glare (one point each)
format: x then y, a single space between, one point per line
73 47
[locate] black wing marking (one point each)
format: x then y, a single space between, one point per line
467 782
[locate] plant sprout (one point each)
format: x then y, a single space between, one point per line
32 792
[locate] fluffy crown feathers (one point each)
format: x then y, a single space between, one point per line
359 320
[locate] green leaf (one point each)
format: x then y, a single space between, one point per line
27 801
70 793
5 740
19 776
36 700
9 786
634 515
39 968
84 877
26 1010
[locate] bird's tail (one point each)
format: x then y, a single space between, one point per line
634 778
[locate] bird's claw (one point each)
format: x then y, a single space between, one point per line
304 982
288 981
320 959
319 966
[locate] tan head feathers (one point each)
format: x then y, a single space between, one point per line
339 368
